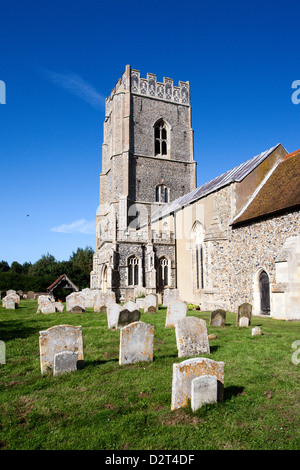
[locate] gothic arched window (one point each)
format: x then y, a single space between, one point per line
161 138
133 271
163 271
161 193
197 237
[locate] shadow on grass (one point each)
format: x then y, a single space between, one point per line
14 329
233 391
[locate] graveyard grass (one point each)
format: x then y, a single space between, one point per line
113 407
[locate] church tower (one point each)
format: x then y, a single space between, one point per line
147 161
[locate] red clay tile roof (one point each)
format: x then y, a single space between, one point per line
279 191
59 279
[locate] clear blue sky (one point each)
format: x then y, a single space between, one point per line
61 58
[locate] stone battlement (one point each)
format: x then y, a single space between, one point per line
131 80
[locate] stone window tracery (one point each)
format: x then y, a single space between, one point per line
161 138
133 271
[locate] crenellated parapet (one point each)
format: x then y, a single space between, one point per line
132 81
166 90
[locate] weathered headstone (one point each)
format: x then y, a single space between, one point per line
65 361
244 321
2 352
113 312
47 307
89 296
244 311
140 302
10 291
57 339
59 306
169 296
30 295
204 390
176 311
256 331
191 337
186 371
150 303
11 301
99 303
217 317
127 316
110 298
76 299
136 343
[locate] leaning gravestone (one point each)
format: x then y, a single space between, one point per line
150 303
217 317
169 296
65 362
186 371
75 302
58 339
244 315
204 390
191 337
30 295
47 307
136 343
113 312
176 311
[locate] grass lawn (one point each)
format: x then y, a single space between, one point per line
113 407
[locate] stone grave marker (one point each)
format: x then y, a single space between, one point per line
113 312
65 361
191 337
30 295
136 343
99 303
183 374
10 291
204 390
150 303
176 311
217 317
256 331
244 311
58 339
89 296
11 301
75 302
128 316
169 296
244 321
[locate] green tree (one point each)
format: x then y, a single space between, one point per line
4 267
45 265
16 267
